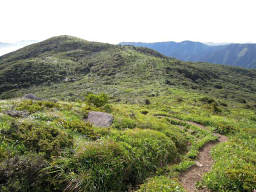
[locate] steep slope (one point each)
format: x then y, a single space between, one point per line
59 65
242 55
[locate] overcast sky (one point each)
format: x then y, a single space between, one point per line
114 21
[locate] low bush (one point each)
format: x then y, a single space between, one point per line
107 108
223 127
97 100
148 150
79 126
39 138
124 123
28 173
34 106
161 184
178 138
101 166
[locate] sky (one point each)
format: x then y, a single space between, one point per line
115 21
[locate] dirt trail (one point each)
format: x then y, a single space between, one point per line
203 164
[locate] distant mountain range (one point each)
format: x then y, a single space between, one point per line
10 47
242 55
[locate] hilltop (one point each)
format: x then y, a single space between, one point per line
241 55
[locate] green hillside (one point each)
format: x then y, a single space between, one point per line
58 66
165 112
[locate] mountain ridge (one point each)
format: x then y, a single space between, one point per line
233 54
99 67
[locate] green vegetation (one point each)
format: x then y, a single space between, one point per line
69 68
153 100
236 160
97 100
161 183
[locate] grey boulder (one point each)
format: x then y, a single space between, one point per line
31 96
15 113
100 119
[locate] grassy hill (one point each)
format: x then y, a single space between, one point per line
155 102
241 55
58 66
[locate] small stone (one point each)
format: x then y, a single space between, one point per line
199 164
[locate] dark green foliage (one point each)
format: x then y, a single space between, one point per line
34 106
28 173
79 126
178 138
39 138
107 108
97 100
124 123
31 72
225 128
207 100
144 112
147 102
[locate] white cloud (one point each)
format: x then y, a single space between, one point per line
129 20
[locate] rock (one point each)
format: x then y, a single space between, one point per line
199 164
31 96
15 113
100 119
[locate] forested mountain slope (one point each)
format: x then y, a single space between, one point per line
241 55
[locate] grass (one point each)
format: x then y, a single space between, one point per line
143 144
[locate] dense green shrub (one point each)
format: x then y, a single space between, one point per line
223 127
78 126
97 100
100 166
107 108
178 138
39 138
34 106
161 184
148 150
124 123
28 173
